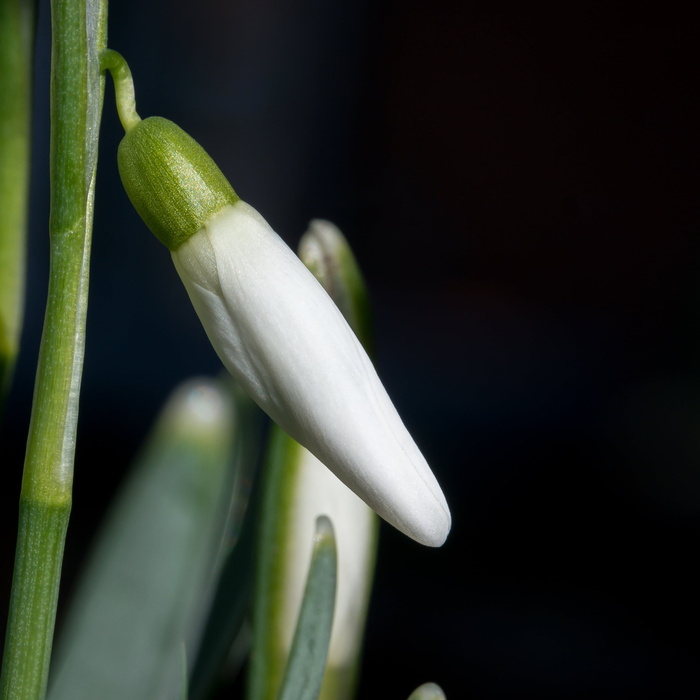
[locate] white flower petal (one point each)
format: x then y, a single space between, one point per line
279 333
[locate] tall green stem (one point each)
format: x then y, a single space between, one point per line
16 43
79 34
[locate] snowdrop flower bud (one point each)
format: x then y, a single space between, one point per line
276 330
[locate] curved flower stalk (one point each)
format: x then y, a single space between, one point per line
275 328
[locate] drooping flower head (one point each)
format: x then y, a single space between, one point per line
276 330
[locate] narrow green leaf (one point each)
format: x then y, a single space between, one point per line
151 575
16 47
427 691
307 660
269 653
231 600
226 618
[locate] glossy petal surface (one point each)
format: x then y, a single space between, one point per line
277 331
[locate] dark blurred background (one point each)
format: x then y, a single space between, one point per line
518 183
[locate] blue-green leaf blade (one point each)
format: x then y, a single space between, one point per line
150 580
219 650
307 659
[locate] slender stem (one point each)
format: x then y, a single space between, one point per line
79 33
16 43
33 604
115 63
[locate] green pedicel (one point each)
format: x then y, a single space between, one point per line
170 179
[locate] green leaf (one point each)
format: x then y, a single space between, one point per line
427 691
226 618
269 651
231 601
307 659
151 575
16 49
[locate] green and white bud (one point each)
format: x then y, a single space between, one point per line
275 328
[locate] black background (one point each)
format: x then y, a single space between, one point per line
519 185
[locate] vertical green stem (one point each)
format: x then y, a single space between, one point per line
79 34
33 604
16 43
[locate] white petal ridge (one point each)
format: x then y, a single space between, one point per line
282 337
